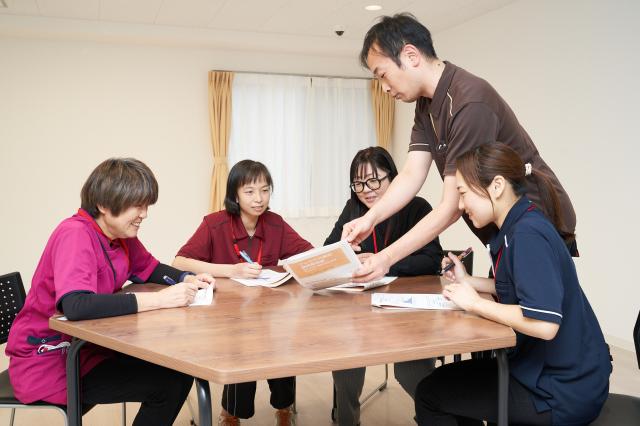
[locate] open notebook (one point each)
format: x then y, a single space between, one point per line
267 278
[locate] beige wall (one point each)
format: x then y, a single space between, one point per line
568 69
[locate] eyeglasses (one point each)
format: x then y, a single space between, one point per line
357 186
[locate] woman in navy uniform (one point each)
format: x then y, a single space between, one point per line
559 369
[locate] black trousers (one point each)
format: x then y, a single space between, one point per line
125 379
238 399
465 393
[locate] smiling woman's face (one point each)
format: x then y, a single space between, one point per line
369 196
254 197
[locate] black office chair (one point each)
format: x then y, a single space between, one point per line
468 266
12 297
622 410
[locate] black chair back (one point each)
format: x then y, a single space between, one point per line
467 261
12 298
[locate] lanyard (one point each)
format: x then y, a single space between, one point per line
375 241
237 249
99 231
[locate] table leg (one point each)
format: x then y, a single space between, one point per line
503 387
204 402
74 403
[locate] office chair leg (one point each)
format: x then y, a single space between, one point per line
382 386
457 358
13 415
124 414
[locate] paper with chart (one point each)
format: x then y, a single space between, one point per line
323 267
267 278
204 296
360 287
413 301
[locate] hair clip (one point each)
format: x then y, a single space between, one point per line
527 169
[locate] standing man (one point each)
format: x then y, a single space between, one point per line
455 112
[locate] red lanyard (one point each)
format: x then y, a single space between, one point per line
99 230
237 249
375 241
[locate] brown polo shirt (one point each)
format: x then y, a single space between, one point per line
466 112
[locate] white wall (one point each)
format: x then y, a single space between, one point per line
569 70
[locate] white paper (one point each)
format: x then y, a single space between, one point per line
267 278
414 301
204 297
318 269
359 287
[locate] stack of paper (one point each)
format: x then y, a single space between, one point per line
267 278
323 267
358 287
415 301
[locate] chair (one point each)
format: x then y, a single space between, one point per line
622 410
12 297
468 266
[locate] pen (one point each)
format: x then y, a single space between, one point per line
245 256
460 257
167 279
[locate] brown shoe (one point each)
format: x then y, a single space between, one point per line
285 417
227 420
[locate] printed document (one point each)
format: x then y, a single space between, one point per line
323 267
267 278
414 301
359 287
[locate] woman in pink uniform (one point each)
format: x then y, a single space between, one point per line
85 263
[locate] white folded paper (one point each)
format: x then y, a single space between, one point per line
267 278
359 287
204 296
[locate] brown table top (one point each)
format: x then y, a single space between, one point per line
252 333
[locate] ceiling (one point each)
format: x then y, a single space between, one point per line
274 17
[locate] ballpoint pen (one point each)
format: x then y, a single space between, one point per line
460 257
245 256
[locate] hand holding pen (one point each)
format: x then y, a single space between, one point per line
247 269
452 268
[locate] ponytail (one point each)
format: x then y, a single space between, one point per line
479 166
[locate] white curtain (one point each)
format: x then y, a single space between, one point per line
306 131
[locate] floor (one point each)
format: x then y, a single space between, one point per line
314 397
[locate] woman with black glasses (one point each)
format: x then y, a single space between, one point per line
372 170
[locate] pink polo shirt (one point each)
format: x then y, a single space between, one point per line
73 260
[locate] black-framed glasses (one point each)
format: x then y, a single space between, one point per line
357 186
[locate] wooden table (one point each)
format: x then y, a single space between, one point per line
255 333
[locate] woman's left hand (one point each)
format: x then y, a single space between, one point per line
364 256
462 294
202 278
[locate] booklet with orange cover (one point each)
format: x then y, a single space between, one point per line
323 267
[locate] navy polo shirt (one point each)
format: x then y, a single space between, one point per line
569 374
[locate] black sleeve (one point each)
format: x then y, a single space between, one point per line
82 305
161 271
336 233
426 260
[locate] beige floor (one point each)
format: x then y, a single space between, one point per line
390 407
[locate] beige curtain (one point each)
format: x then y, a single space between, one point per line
220 119
383 111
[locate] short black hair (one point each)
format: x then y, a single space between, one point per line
117 184
392 33
242 173
378 158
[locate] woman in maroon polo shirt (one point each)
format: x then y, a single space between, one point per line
216 246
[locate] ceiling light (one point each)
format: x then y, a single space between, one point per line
373 7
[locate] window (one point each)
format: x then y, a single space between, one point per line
305 130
